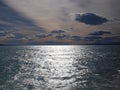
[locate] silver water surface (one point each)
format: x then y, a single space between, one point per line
60 68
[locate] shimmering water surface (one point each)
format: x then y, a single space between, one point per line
60 67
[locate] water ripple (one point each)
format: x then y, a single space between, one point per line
60 68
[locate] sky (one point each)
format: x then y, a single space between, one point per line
70 22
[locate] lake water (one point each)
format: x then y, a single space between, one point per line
84 67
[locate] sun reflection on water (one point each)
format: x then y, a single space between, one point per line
60 68
49 67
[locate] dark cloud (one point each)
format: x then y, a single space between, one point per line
100 33
92 38
90 18
44 35
61 36
58 31
96 35
76 38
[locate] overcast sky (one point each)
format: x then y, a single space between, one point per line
59 22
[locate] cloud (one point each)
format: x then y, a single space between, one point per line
100 33
29 19
61 36
50 14
57 31
96 35
76 38
92 38
90 19
12 20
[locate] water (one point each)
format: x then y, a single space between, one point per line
60 67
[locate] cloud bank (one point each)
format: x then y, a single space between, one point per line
49 21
